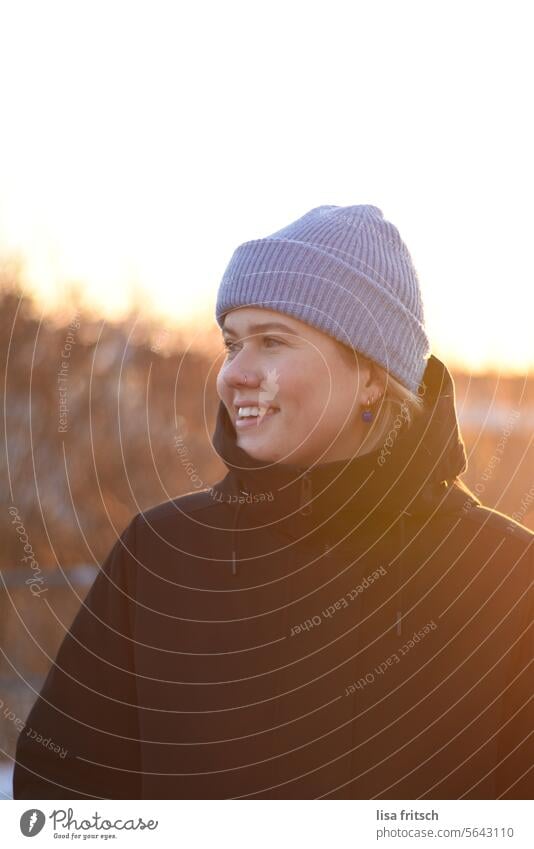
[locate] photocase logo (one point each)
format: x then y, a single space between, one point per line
268 391
31 822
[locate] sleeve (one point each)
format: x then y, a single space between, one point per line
81 738
515 770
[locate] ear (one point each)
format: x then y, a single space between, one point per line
376 381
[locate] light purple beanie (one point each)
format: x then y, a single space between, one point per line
344 270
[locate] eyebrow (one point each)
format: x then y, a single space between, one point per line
258 328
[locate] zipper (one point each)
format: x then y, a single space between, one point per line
306 494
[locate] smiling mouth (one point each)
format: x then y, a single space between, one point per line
250 416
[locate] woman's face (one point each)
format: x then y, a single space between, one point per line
309 390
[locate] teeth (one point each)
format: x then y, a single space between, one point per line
251 411
248 411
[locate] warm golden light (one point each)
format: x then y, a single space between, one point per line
135 162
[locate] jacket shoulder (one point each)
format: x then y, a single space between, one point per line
500 523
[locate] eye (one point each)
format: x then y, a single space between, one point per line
272 339
228 345
231 347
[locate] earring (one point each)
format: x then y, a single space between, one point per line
368 415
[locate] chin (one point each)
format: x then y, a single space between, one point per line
258 452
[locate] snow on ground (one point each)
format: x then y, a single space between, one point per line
6 780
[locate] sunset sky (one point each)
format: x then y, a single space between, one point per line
142 142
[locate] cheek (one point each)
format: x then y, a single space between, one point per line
337 400
221 387
304 389
308 402
311 375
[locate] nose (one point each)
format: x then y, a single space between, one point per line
242 371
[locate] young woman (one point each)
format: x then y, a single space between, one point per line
338 617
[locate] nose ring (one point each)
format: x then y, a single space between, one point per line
245 378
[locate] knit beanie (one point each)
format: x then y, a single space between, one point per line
344 270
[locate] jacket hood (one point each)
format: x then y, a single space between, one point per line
408 474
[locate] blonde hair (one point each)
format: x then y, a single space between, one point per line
398 407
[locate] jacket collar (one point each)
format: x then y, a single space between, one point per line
376 486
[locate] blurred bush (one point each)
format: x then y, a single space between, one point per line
130 389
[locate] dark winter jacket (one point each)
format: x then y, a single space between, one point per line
362 629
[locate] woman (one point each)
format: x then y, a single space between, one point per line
338 617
